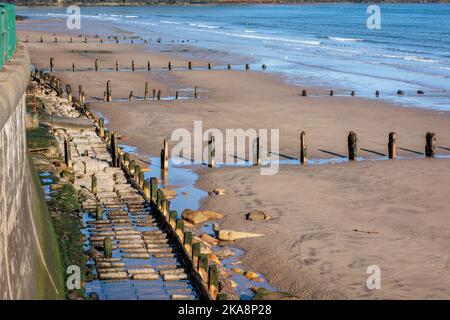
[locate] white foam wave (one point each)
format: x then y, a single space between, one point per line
345 39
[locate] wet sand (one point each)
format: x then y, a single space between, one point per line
310 249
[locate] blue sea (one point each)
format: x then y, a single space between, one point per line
326 45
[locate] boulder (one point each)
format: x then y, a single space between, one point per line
257 215
230 235
213 258
168 193
250 275
218 192
199 216
207 238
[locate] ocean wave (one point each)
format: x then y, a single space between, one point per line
170 22
346 39
208 27
419 59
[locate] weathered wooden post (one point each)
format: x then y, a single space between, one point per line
26 40
113 149
146 91
67 153
69 92
264 67
56 40
173 218
180 229
196 92
196 248
169 65
203 267
304 94
303 148
96 64
209 66
71 40
159 199
94 184
257 151
377 94
153 94
141 180
165 156
153 188
108 91
190 65
213 281
392 145
83 97
229 66
51 64
352 141
353 93
107 247
331 93
80 91
430 145
148 66
42 40
132 65
212 151
176 95
99 213
101 127
188 242
85 39
73 66
130 97
146 188
247 66
117 65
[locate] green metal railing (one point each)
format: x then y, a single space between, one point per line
7 32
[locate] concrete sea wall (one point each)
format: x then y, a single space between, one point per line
30 266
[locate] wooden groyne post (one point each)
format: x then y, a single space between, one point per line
352 141
303 148
108 91
146 91
67 154
430 144
94 184
212 151
114 150
392 145
165 156
51 64
257 151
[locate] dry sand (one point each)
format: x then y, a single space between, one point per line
310 249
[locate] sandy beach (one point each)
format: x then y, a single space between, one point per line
399 208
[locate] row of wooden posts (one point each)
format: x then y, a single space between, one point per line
156 94
149 67
353 93
352 143
85 40
208 274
